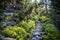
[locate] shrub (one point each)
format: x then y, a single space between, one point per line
27 25
7 18
50 32
14 32
45 19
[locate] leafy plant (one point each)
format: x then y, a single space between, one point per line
14 32
49 32
45 19
27 25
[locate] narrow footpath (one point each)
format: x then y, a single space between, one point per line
37 33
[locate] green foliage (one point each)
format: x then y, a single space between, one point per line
45 19
27 25
15 17
0 39
19 31
7 18
0 25
14 32
31 13
49 32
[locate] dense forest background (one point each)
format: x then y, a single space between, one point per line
18 18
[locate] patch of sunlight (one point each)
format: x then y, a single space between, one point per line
36 0
33 0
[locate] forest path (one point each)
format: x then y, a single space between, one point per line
37 33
